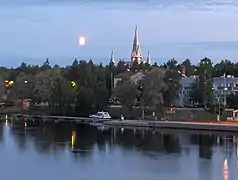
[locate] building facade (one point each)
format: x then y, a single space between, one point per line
187 85
222 86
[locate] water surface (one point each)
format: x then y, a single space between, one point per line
73 152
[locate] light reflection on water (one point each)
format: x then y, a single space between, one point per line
64 151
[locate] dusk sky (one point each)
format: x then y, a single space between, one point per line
168 29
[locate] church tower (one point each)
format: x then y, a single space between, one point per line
136 53
148 61
112 59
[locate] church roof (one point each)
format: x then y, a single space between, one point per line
126 74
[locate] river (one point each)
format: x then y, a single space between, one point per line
59 151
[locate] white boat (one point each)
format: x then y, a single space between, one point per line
100 115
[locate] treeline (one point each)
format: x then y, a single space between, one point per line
85 87
219 69
160 90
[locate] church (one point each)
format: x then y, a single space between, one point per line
136 56
136 53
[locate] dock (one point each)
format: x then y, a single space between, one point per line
47 118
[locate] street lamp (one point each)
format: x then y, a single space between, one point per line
25 82
219 105
9 83
225 90
73 84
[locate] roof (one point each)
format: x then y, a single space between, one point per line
137 76
126 74
225 80
190 79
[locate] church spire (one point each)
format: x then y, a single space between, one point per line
136 53
112 60
149 62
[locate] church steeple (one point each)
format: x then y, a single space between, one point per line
149 62
112 59
136 53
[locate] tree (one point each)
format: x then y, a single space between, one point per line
155 65
232 101
2 89
195 93
170 92
22 87
85 103
44 84
224 67
46 65
121 67
189 69
127 92
205 83
152 89
63 96
172 64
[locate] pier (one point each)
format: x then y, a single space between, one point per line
47 118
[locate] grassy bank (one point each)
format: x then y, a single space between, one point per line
116 112
197 115
179 114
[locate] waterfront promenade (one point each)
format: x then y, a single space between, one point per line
190 125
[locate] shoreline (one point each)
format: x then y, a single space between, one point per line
151 124
186 125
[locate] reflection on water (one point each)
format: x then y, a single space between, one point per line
67 151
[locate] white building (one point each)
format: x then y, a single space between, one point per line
187 84
223 86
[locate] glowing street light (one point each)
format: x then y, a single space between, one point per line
73 84
8 83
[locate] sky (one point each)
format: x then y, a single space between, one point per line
31 31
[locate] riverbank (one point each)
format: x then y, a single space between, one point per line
211 126
181 114
151 124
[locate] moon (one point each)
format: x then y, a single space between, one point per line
82 41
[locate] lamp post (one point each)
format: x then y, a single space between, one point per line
219 105
219 108
225 90
25 82
74 86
